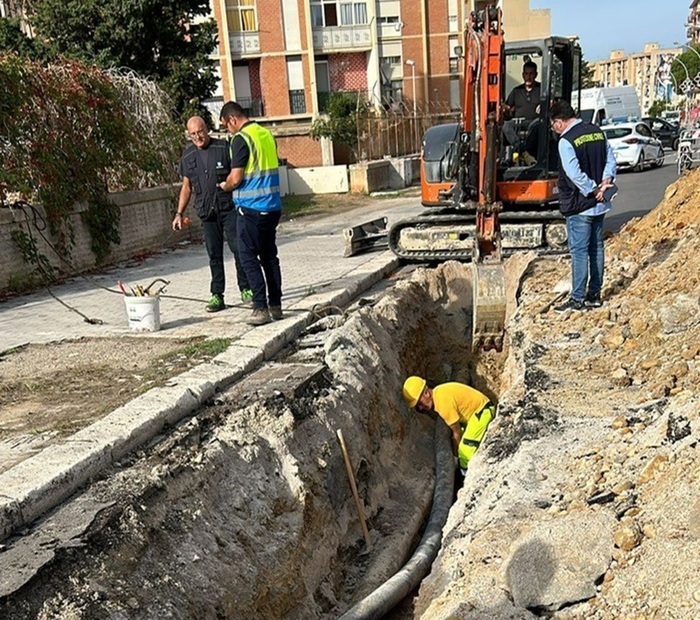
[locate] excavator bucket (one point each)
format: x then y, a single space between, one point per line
489 305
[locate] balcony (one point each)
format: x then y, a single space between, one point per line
243 43
390 31
332 39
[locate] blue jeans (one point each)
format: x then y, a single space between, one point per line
215 231
258 251
587 255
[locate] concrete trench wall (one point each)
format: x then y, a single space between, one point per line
246 511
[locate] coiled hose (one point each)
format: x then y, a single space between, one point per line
398 587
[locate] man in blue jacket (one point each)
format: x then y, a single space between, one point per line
586 170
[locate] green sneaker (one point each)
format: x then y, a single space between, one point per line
216 303
246 295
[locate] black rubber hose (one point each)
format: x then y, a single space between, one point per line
398 587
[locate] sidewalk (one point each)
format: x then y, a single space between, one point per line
314 272
311 258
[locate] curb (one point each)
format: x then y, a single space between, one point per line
40 483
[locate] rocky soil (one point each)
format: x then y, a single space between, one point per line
585 501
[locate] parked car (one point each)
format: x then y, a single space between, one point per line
634 145
668 133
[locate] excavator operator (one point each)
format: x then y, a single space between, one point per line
524 100
522 107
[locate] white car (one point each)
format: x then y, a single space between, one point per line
634 145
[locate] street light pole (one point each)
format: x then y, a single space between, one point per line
412 64
688 82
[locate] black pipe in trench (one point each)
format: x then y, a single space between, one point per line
398 587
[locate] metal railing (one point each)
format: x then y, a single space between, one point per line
392 134
297 101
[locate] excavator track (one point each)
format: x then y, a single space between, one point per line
450 235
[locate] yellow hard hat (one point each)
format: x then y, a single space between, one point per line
412 389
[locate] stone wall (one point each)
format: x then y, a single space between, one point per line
145 226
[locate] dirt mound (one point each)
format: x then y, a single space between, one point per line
597 433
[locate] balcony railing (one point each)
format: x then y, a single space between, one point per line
244 42
342 37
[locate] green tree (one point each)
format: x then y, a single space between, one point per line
587 80
157 39
12 39
340 123
657 107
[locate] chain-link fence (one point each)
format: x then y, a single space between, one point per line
399 131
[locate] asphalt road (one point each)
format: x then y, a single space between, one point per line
640 192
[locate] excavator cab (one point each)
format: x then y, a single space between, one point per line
533 152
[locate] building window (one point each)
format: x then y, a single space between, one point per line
337 13
392 61
240 15
297 101
392 95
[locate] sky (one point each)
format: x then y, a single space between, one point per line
604 25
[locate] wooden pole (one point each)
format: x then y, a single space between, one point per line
351 477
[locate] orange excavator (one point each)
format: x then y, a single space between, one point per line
491 183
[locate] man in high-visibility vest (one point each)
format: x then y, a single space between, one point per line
465 410
255 182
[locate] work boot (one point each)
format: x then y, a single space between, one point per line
260 316
276 313
216 303
246 295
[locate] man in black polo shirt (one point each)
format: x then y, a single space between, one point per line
524 100
206 163
523 103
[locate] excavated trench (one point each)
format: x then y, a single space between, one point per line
245 509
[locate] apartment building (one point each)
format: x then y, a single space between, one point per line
281 59
693 24
648 71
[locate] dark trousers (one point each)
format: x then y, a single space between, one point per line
215 231
258 250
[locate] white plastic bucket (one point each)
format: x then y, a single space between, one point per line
143 313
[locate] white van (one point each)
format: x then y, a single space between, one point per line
607 104
672 116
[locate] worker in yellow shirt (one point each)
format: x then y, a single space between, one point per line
465 410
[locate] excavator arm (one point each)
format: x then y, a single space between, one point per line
483 122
